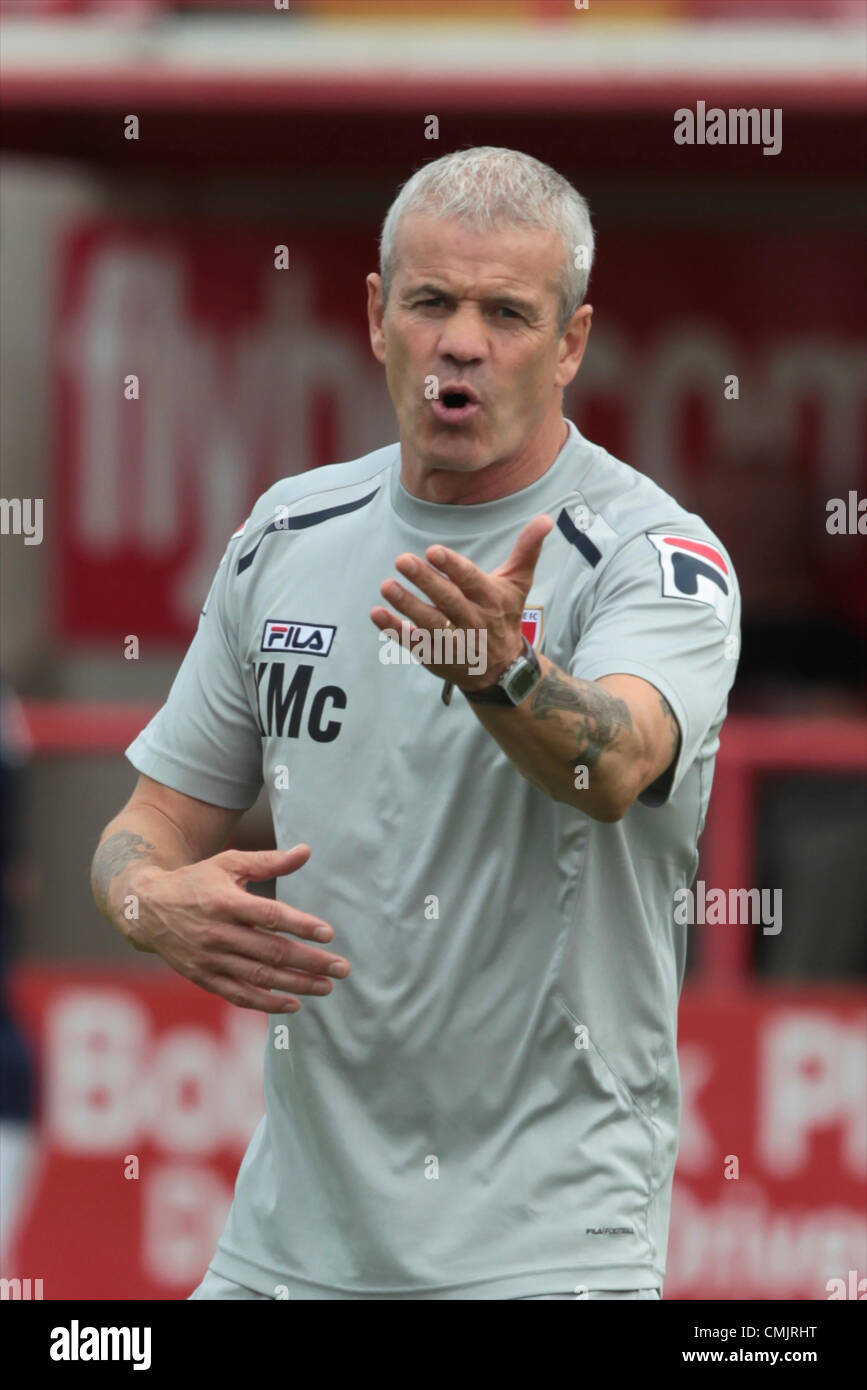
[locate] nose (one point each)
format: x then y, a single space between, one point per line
463 338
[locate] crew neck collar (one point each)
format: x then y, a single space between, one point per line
442 520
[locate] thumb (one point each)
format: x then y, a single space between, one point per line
524 558
258 865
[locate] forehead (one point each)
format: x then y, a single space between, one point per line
526 258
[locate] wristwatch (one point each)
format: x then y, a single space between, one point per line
515 684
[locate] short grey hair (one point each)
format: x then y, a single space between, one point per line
488 186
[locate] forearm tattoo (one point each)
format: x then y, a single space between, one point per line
113 855
600 718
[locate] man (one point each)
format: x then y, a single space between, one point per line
488 1105
18 1131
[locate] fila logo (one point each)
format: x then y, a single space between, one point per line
313 639
694 570
532 625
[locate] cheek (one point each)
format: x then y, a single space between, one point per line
536 368
545 367
398 358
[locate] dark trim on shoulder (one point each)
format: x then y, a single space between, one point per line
582 542
301 523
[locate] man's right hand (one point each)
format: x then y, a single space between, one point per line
205 925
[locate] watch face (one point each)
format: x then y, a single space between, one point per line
521 683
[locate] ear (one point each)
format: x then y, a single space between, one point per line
572 345
375 311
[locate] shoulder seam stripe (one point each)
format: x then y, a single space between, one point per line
582 542
301 523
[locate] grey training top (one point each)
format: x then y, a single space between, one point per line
489 1105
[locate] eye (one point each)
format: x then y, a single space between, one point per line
436 300
505 309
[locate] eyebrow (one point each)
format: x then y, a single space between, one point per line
524 306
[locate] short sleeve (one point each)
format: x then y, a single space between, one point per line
666 608
205 741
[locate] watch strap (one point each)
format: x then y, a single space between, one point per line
496 695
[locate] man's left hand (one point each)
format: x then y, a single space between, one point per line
462 594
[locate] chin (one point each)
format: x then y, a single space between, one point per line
455 460
460 451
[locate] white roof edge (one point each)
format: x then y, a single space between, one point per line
275 46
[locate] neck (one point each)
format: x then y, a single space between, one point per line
498 479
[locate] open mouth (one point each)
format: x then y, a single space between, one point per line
455 406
